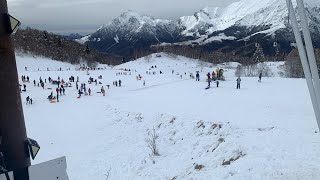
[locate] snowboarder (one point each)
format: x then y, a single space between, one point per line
260 76
238 82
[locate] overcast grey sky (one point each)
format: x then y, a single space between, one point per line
84 16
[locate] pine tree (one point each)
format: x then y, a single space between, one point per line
258 56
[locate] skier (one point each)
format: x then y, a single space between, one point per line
260 76
60 90
209 82
79 92
103 91
119 83
63 90
28 79
57 90
209 76
197 76
217 71
108 86
89 91
238 82
28 100
42 85
217 83
24 87
116 82
34 82
31 100
77 78
144 83
213 76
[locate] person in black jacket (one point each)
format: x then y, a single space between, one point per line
238 82
260 76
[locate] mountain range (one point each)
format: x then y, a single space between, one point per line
236 28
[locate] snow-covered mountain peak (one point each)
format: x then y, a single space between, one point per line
212 12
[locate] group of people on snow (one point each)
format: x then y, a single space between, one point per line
117 83
25 79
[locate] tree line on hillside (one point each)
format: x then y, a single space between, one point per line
41 43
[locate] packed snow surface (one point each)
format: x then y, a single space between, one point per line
263 131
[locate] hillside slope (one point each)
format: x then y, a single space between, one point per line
262 131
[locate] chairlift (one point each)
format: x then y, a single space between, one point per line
275 44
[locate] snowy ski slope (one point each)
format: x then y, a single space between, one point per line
263 131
